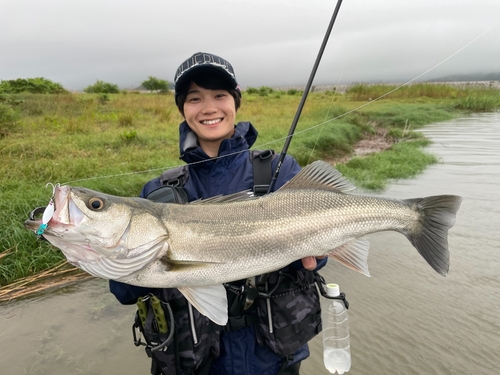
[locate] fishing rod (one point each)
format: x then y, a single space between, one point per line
304 97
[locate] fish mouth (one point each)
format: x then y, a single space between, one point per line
33 224
65 214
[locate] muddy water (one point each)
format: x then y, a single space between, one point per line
405 319
77 330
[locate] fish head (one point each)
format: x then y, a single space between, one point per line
92 228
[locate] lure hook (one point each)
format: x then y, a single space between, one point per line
53 188
49 210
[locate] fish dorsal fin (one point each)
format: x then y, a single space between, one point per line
209 300
319 175
236 197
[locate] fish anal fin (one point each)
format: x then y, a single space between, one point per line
319 175
209 300
353 254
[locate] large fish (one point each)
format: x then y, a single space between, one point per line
199 246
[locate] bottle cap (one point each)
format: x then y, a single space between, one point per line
332 290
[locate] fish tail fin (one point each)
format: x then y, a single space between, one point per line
430 237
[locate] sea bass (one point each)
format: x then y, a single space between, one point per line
197 247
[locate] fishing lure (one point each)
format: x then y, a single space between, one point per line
49 211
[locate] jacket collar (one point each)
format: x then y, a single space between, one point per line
243 138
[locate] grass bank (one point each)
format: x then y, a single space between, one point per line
107 142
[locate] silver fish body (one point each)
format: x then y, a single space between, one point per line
198 246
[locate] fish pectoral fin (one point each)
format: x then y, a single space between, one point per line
353 254
210 300
319 175
172 264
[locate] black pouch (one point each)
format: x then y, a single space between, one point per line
195 341
168 194
290 314
171 189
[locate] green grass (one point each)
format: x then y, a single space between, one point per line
483 100
107 145
402 160
415 90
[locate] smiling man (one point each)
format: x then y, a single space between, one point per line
264 336
210 114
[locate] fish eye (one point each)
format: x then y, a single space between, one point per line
96 204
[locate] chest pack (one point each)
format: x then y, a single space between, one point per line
283 306
173 180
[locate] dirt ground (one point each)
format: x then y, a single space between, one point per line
375 143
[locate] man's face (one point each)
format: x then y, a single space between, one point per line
211 115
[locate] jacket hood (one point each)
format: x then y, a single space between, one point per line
243 138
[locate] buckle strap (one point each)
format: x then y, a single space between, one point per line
235 323
262 170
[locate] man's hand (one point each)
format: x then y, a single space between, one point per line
309 263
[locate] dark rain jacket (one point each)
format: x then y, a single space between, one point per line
231 172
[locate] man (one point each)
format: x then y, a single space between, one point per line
264 335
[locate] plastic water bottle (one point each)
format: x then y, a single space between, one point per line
336 346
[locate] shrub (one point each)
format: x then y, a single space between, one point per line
38 85
261 91
129 136
101 87
251 90
265 91
155 84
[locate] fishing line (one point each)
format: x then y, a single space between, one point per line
285 138
327 114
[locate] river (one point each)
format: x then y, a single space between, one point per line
405 319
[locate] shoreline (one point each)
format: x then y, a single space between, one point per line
342 88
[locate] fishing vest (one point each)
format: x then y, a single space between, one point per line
283 306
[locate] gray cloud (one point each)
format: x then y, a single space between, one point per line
269 42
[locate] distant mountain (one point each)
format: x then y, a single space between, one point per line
468 77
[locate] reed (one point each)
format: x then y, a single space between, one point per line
484 100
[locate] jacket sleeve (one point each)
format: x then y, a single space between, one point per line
127 294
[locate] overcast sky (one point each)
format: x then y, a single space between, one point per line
268 42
